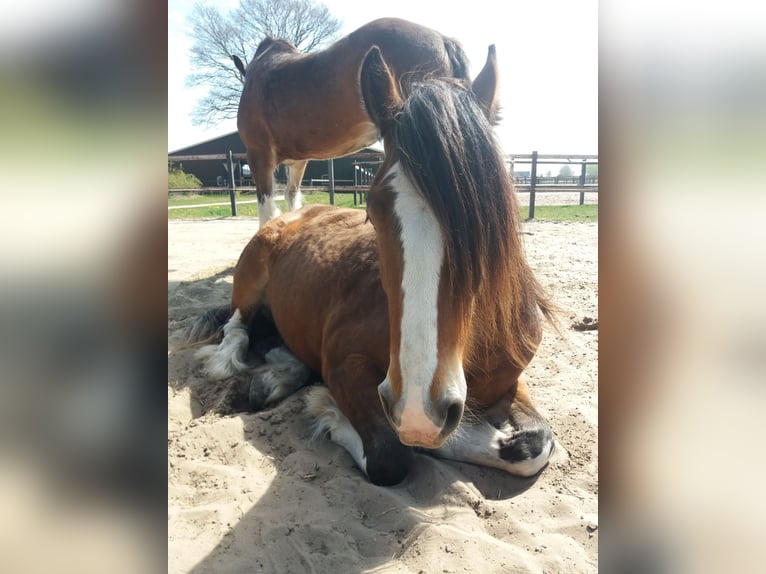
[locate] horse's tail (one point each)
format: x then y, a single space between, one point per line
207 328
458 59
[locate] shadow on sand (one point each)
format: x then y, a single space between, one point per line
319 513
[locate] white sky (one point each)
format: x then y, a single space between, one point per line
547 53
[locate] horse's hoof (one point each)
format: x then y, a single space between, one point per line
259 392
526 444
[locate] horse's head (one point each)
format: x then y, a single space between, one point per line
431 205
273 46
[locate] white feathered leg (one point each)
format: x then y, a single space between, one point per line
228 357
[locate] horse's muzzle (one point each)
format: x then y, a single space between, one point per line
424 425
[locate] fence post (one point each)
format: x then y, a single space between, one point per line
332 181
532 185
582 182
356 171
232 188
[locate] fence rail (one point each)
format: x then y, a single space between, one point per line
206 156
532 184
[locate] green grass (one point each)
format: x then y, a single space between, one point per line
243 209
563 212
195 198
542 212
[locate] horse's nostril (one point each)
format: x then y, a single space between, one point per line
454 414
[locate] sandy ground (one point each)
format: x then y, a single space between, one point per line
249 492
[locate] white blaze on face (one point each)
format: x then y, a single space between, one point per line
423 255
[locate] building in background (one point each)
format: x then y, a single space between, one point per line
350 170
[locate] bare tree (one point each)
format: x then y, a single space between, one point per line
218 35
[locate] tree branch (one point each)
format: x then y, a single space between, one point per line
305 23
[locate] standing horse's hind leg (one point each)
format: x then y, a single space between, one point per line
293 196
262 166
514 438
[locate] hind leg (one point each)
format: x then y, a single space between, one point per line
280 377
513 437
248 294
293 196
263 166
349 411
228 357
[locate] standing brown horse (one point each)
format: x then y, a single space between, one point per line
296 107
421 315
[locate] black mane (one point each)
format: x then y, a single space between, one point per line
447 147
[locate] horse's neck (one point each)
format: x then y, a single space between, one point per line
278 58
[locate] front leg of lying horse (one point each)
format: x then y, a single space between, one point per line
511 435
348 410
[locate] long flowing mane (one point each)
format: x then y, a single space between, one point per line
447 147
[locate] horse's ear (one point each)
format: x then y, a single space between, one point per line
238 64
485 86
381 98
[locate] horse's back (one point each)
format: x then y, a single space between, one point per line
323 277
325 246
409 48
308 106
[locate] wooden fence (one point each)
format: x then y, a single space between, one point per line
533 183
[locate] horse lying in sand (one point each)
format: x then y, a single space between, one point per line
422 313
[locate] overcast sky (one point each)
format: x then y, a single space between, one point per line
547 53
